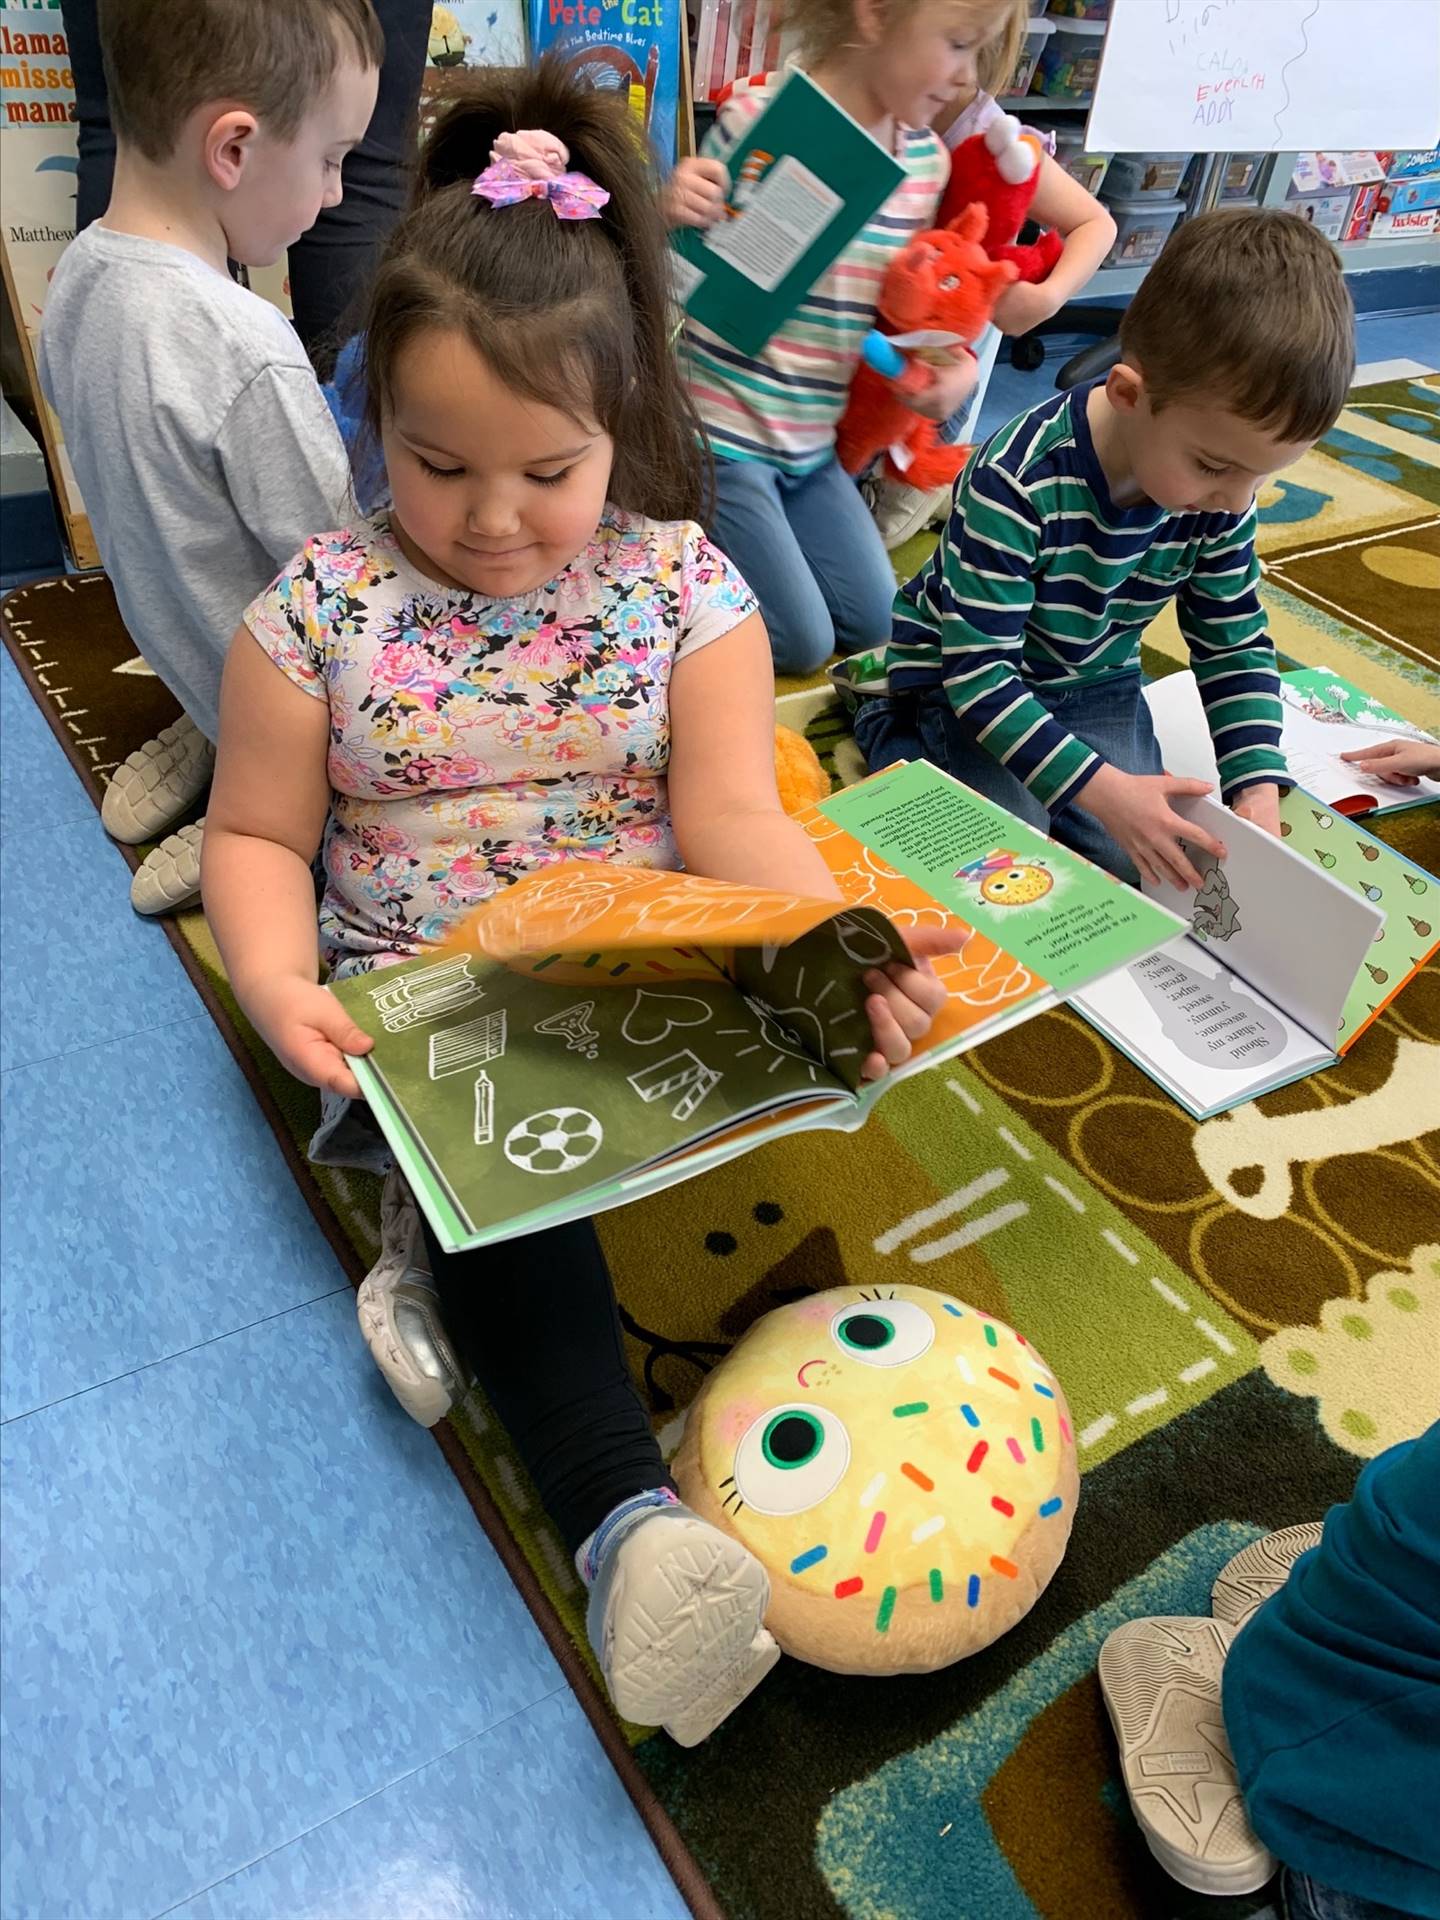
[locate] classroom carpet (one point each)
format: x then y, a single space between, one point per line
1231 1360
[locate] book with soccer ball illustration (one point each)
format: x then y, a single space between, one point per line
803 181
1295 946
1324 717
600 1032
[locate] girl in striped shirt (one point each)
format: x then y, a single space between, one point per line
785 510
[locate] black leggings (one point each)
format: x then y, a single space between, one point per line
330 264
536 1319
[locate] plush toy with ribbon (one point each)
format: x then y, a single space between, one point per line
939 293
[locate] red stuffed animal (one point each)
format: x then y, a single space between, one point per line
999 170
938 293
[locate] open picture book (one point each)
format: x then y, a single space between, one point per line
599 1032
1325 717
803 181
1294 947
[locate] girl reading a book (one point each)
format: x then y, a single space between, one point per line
534 655
785 510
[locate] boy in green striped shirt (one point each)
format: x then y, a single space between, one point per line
1014 661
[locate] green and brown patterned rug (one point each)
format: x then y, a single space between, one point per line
1229 1369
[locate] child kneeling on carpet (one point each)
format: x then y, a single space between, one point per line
1014 662
514 665
199 435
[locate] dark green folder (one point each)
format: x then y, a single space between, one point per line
801 129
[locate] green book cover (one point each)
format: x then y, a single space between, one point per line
804 180
1406 894
1056 913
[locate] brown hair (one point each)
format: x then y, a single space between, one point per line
165 58
574 314
1248 307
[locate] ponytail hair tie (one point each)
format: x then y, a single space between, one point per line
531 166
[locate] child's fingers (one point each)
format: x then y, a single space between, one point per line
928 943
912 1018
1175 866
920 986
318 1061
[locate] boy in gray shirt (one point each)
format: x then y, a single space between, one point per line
202 443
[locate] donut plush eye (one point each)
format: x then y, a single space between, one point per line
791 1458
883 1333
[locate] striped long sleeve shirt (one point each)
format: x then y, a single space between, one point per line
783 404
1039 580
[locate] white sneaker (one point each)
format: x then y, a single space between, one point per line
1244 1584
676 1619
1161 1683
399 1313
148 792
168 879
901 511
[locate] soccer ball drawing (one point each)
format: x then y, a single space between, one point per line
558 1141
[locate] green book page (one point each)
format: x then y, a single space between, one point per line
518 1095
1408 895
1057 914
805 179
1329 690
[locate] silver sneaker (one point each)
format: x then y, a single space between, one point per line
168 879
1244 1584
148 792
399 1313
676 1619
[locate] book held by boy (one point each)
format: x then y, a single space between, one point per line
608 1031
803 181
1295 946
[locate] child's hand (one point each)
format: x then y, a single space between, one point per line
1135 809
948 391
694 195
1022 306
904 1000
1399 763
308 1031
1260 805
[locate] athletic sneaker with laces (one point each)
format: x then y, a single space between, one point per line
675 1617
168 879
1244 1584
901 511
148 792
1160 1679
398 1308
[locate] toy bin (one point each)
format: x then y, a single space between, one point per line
1141 229
1035 41
1147 176
1080 9
1070 153
1071 60
1330 212
1242 170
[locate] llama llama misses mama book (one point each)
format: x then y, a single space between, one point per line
601 1032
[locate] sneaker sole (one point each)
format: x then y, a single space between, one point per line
426 1401
1161 1684
168 880
684 1637
133 811
1244 1584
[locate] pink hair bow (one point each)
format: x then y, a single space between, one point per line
530 166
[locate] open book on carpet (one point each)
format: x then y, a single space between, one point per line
607 1031
1295 946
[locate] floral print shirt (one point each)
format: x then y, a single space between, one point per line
472 740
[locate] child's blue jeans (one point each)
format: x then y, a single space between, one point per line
1110 716
812 555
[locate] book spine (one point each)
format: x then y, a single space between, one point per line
722 44
704 49
754 61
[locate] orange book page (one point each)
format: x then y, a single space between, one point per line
581 919
982 980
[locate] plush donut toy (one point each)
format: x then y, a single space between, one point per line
901 1464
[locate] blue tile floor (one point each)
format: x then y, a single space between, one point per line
258 1658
